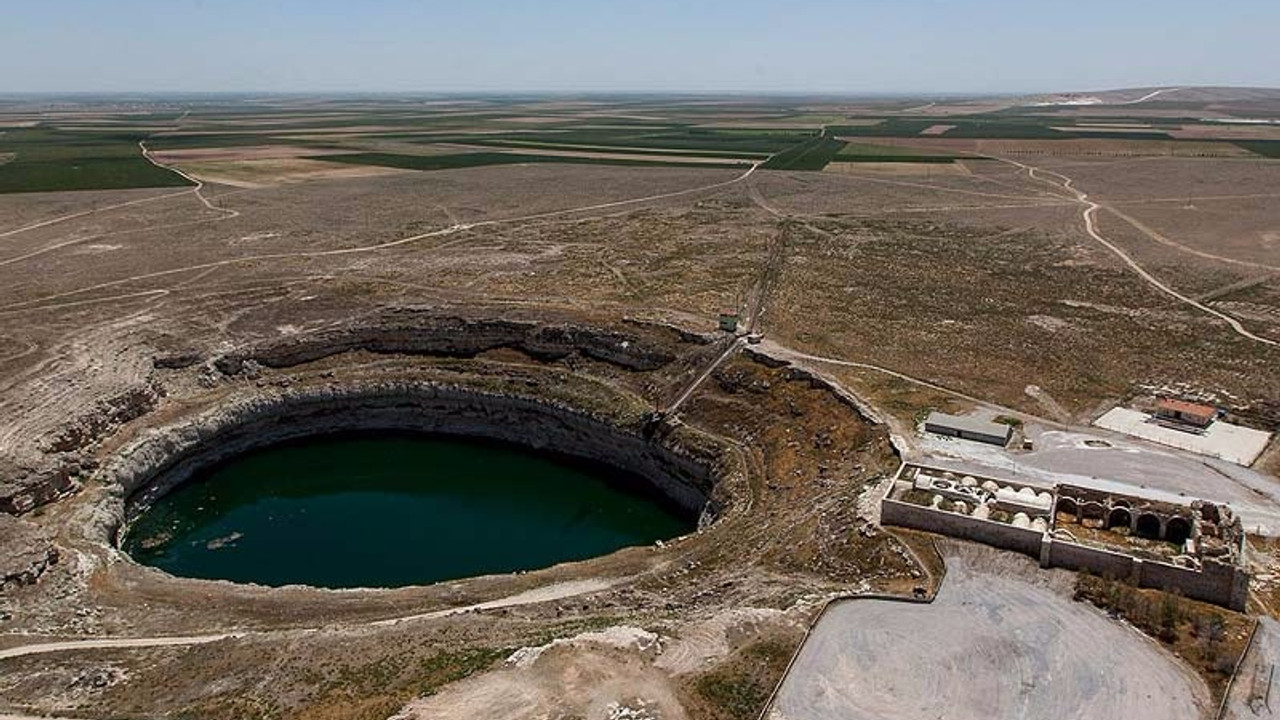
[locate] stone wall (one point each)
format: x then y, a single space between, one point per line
988 532
1216 583
1104 563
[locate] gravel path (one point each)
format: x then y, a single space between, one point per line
548 593
992 647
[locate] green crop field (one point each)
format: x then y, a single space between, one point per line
529 144
695 139
49 160
862 152
480 159
891 127
811 155
1265 148
991 127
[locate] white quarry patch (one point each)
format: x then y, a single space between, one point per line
626 711
705 642
601 675
623 637
1225 441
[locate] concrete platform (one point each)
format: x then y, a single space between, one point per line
1232 443
991 646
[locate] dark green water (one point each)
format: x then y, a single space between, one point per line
392 510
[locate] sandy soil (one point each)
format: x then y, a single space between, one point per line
623 156
590 676
1102 127
992 645
904 169
1245 229
537 119
1101 147
279 171
224 154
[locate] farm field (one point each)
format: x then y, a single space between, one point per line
479 159
69 150
867 152
811 155
41 160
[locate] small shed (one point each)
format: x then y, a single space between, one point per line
968 428
729 321
1186 413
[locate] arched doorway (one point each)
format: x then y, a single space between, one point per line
1148 527
1178 530
1067 506
1093 511
1119 518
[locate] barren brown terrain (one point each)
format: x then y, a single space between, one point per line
133 321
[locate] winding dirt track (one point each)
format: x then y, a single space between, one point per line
199 184
795 356
94 211
41 303
548 593
1091 226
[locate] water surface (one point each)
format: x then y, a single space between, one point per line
392 510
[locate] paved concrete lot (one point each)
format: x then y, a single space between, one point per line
1240 445
992 646
1256 692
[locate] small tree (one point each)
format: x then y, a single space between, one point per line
1210 631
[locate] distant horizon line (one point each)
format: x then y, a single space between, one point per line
863 94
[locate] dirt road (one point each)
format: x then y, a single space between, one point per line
42 302
1089 214
549 593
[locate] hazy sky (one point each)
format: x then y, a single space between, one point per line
577 45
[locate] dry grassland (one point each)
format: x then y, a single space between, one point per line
905 169
278 171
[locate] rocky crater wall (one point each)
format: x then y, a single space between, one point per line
409 332
52 462
166 457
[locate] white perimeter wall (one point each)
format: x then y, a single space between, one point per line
1240 445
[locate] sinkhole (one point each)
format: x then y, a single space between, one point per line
391 509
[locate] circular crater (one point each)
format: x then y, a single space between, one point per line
393 509
396 485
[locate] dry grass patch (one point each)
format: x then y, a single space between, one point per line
279 171
1206 637
237 154
898 169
